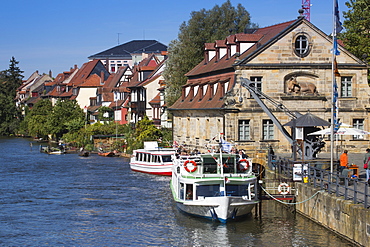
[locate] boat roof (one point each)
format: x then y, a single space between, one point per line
157 151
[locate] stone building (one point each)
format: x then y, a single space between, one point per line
292 64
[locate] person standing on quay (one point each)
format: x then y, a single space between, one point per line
343 161
366 161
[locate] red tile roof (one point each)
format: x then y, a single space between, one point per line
262 35
210 77
92 81
156 100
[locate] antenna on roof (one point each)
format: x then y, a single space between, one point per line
118 37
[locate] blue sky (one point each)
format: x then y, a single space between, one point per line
55 35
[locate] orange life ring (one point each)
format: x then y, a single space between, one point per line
243 168
193 163
283 188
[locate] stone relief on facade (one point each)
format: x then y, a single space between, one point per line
300 88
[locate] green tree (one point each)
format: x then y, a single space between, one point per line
35 122
146 131
66 114
10 80
356 37
204 26
105 114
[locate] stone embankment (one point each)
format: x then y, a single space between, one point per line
352 221
349 220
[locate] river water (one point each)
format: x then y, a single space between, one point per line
67 200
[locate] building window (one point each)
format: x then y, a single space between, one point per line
268 130
244 130
301 46
257 82
358 124
346 86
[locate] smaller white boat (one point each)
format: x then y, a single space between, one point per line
214 186
152 159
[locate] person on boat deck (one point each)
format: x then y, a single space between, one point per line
242 155
343 161
189 194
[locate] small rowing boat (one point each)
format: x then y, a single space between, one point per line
108 154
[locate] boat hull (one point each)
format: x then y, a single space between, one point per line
162 169
222 209
152 160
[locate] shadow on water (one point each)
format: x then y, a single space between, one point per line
70 200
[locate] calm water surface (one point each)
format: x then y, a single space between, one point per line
67 200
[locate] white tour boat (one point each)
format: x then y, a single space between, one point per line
152 159
214 186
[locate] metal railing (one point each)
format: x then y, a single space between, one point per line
351 188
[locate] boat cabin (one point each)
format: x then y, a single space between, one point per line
214 175
153 157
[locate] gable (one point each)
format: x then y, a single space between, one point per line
282 50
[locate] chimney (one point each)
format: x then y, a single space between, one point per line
50 74
102 77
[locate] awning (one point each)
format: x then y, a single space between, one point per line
308 120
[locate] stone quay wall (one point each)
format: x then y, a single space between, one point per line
351 221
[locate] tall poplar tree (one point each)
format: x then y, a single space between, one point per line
356 37
204 26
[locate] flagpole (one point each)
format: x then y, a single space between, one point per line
332 96
337 27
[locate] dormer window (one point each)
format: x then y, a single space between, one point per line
301 45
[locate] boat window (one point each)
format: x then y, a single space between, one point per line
166 158
228 164
189 192
182 191
155 158
209 168
208 190
237 190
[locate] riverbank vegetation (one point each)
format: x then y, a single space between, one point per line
10 115
65 121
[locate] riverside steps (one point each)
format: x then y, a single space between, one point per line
339 203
